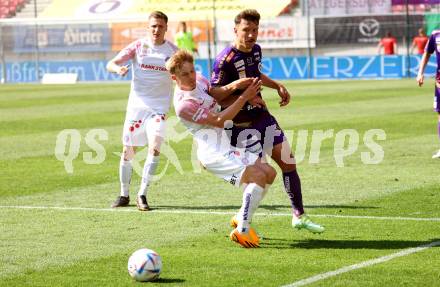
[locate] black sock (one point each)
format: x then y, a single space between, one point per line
292 186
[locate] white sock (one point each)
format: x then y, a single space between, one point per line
150 167
125 170
266 189
252 196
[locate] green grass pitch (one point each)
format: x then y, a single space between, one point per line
72 238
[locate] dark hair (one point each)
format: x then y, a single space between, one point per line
250 15
388 34
158 15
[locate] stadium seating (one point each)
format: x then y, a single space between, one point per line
9 8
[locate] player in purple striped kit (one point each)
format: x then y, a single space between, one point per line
432 45
254 127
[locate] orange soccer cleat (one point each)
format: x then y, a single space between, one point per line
244 239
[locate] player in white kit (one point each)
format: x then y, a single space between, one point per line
201 115
148 103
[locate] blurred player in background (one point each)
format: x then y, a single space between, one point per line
389 45
201 115
433 45
240 60
419 42
148 103
184 39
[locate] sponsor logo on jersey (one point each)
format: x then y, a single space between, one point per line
233 179
222 62
242 74
230 56
219 77
239 64
249 60
260 67
152 67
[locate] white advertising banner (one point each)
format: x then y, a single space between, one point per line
281 32
343 7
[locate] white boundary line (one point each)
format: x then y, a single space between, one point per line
360 265
192 211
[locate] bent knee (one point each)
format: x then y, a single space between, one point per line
128 153
256 175
271 174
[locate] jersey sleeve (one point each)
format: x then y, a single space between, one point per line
219 75
430 47
192 111
127 53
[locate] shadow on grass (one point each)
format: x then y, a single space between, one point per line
343 244
167 280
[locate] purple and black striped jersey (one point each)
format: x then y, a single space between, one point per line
232 64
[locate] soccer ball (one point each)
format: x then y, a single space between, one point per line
144 265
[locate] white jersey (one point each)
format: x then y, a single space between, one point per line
213 146
192 107
151 86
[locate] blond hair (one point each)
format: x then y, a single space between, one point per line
158 15
175 63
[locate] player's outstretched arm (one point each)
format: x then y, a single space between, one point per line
114 67
220 93
230 112
282 91
190 110
421 74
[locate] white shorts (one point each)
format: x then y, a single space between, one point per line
142 126
229 166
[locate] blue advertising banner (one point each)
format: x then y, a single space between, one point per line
280 68
62 38
348 67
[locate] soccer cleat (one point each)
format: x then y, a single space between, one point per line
142 204
437 155
304 222
244 239
121 201
234 222
252 233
